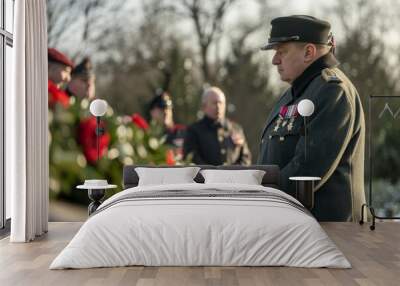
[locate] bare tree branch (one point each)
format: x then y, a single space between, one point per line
58 21
207 22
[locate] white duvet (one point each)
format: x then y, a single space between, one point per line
185 231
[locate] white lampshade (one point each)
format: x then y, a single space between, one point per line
305 107
98 107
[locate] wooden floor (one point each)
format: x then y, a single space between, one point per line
374 255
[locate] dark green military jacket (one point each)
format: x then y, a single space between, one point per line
211 143
335 140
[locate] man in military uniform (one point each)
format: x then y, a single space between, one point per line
59 74
59 67
82 82
161 112
304 57
215 140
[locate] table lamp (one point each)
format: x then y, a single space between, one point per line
98 108
305 109
305 184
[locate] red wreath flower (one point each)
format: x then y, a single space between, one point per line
87 138
170 157
57 95
139 121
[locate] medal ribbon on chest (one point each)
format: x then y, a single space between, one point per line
287 114
292 114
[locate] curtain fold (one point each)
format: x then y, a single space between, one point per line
26 124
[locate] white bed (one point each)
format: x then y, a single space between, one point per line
250 225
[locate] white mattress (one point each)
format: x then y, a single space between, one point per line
200 231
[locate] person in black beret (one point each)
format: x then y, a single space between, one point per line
82 82
304 56
161 112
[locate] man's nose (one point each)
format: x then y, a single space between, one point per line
276 60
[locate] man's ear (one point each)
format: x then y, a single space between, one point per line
310 51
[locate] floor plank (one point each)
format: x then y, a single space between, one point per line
374 255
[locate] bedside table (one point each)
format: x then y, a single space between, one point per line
305 190
96 191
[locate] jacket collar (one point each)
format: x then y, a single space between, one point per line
315 69
213 123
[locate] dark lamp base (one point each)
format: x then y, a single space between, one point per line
305 193
95 195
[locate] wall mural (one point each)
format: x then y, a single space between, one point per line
383 164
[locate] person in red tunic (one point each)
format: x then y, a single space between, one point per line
87 138
59 74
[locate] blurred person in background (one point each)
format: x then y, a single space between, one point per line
161 113
82 86
214 139
82 83
59 75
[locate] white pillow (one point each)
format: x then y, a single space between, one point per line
248 177
162 176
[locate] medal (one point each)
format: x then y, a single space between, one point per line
287 114
278 122
290 125
221 135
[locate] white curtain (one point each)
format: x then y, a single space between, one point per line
26 124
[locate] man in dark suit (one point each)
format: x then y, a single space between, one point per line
216 140
304 57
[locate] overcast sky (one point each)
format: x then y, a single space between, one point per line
242 11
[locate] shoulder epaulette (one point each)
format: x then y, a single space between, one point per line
330 76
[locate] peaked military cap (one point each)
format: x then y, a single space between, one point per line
162 101
298 28
84 69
